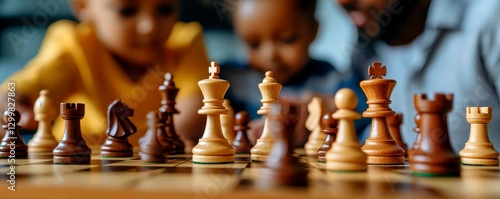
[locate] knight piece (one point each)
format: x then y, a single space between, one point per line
434 155
380 147
119 128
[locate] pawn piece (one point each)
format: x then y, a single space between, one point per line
72 148
479 150
45 112
227 122
270 90
151 151
213 147
283 167
119 128
167 111
12 136
313 124
394 123
380 147
346 153
241 143
433 157
330 129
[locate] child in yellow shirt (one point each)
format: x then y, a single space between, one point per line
119 50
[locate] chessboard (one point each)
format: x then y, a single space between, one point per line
38 177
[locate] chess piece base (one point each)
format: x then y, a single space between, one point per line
380 160
37 149
261 150
448 166
312 146
345 158
383 152
76 159
213 151
480 161
212 159
152 158
39 145
259 158
116 147
117 153
321 158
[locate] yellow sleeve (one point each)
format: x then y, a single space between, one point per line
192 65
52 68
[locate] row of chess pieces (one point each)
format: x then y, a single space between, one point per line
338 145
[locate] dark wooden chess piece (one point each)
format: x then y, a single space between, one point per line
330 129
169 92
433 156
72 148
165 140
12 145
380 147
282 167
395 130
151 150
119 128
241 143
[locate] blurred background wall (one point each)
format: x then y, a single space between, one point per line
23 24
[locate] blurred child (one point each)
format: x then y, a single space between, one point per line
120 49
277 35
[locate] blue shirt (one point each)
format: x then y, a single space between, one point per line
458 53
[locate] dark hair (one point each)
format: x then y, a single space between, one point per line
308 7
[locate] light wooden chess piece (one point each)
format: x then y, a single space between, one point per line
346 153
213 147
270 90
227 122
44 111
313 124
479 150
380 147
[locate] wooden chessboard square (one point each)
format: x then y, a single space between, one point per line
111 168
85 179
138 162
198 183
225 165
203 170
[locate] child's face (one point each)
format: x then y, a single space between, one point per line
134 31
277 35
